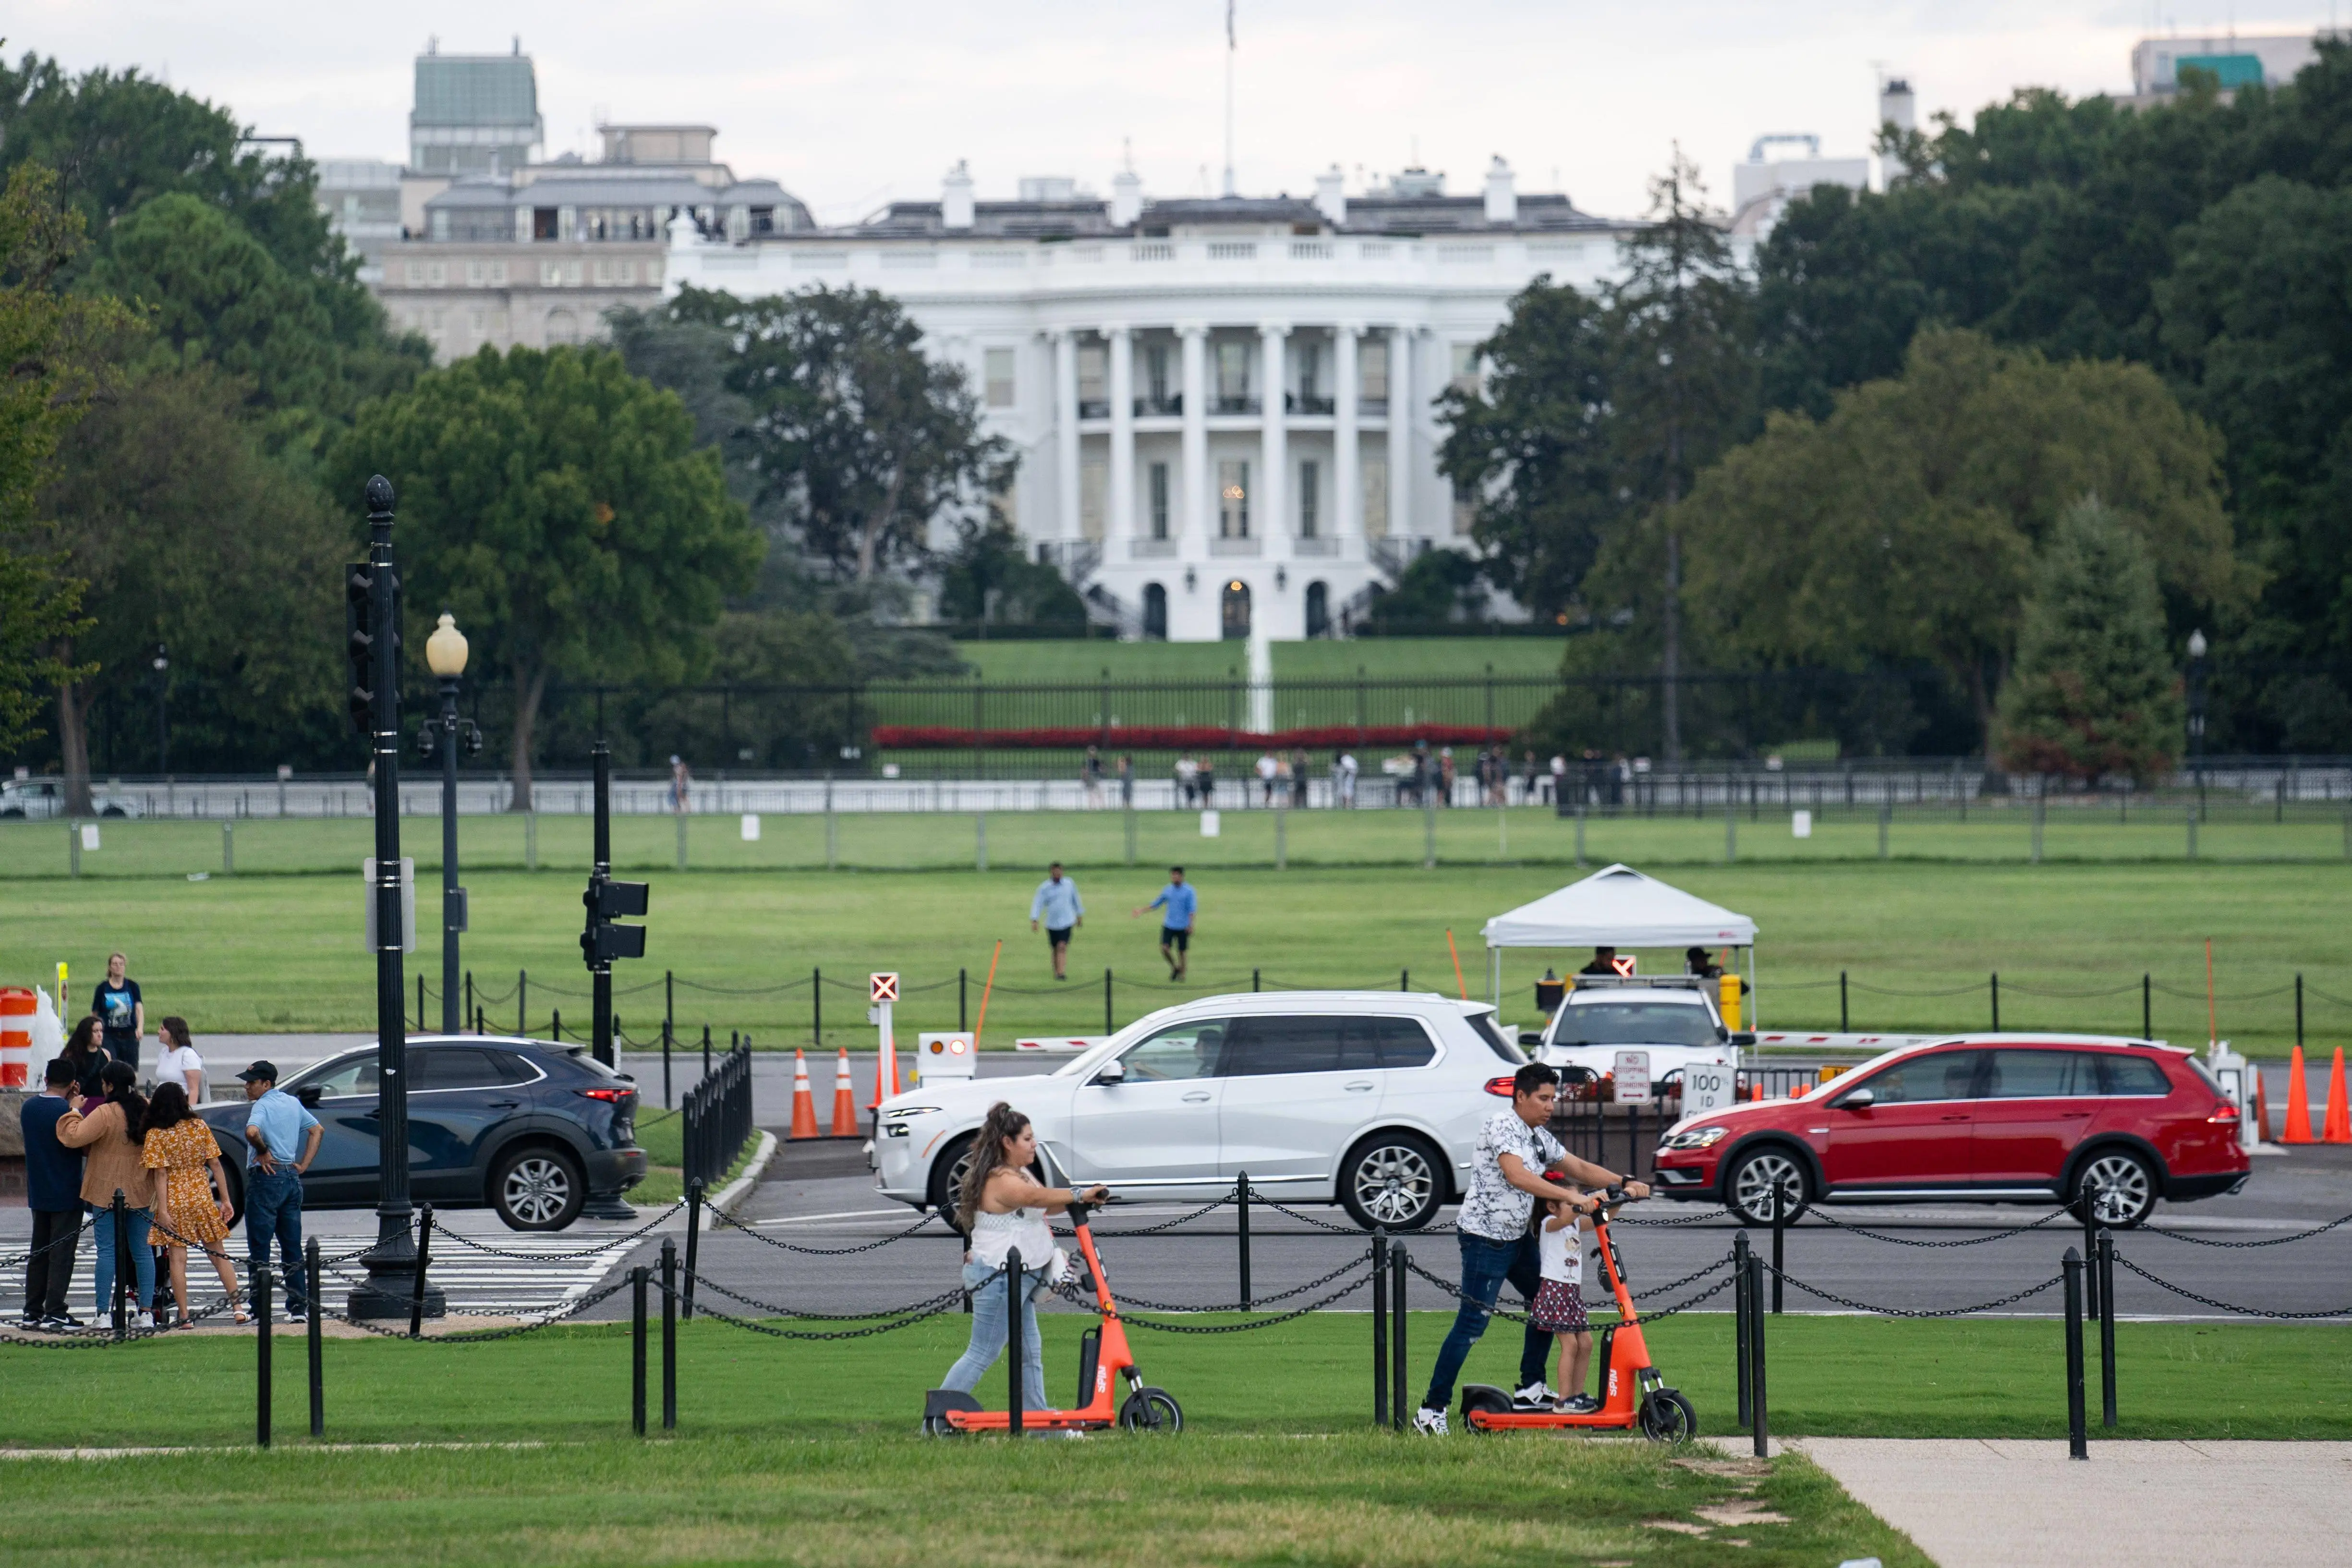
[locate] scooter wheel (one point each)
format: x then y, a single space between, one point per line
1483 1401
940 1427
1667 1417
1150 1409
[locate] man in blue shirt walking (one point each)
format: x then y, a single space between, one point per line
277 1126
1058 905
1181 902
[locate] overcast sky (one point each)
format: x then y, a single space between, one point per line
854 103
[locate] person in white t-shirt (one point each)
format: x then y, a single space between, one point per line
179 1063
1559 1302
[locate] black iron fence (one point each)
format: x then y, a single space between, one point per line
719 1120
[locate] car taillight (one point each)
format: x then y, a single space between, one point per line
1500 1086
610 1096
2223 1114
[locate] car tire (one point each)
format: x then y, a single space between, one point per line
947 1170
1750 1180
538 1187
113 811
1392 1181
2126 1188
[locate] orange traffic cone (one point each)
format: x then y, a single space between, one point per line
804 1102
845 1100
2338 1129
2298 1103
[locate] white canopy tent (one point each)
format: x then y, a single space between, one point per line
1618 907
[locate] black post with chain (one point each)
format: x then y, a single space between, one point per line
1380 1327
637 1349
2078 1438
1740 1328
423 1256
1013 1346
1399 1398
2091 1193
1761 1421
318 1343
2105 1276
1241 1231
261 1357
669 1333
693 1237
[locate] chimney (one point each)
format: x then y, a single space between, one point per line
1331 196
955 197
1895 106
1126 197
1502 199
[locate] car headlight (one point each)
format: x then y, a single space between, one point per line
908 1113
1698 1138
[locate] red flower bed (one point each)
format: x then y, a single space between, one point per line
1178 737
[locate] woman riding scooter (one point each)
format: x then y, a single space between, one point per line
1001 1208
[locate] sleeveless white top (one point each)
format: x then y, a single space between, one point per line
995 1234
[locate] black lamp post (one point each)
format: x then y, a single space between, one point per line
391 1263
444 654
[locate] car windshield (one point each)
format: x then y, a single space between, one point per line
1630 1022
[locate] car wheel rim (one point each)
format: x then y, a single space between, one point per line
1762 1181
2121 1183
538 1191
1394 1184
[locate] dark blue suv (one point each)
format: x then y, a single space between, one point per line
530 1128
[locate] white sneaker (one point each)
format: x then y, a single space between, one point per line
1429 1423
1537 1392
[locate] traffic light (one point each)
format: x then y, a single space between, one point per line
359 646
608 901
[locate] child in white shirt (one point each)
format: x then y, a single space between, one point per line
1559 1302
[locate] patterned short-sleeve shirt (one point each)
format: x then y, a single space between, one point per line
1496 1209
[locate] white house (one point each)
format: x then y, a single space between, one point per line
1222 406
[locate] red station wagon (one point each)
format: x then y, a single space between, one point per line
1978 1119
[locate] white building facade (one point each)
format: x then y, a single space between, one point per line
1222 409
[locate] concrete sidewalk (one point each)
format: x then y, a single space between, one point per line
2003 1503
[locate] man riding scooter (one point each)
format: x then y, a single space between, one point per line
1514 1148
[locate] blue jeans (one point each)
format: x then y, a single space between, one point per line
1485 1265
989 1315
143 1256
273 1207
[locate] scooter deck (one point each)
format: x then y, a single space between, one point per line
1031 1421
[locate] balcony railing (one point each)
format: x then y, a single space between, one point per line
1234 547
1168 406
1372 405
1093 407
1152 549
1309 544
1310 402
1223 405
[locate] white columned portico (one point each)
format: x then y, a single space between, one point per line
1269 515
1066 434
1120 525
1198 521
1401 399
1346 468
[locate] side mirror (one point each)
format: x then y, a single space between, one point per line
1112 1073
1860 1100
1530 1037
308 1095
1744 1037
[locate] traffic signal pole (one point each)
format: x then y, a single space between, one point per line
603 941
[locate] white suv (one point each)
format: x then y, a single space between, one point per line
1672 1018
1368 1098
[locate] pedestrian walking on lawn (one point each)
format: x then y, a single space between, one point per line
53 1192
118 1003
1498 1244
1056 904
999 1207
191 1193
110 1135
284 1136
1183 902
86 1055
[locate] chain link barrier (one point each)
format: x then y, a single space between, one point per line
484 1336
1340 1294
1125 1300
604 1246
18 1260
101 1336
945 1301
2241 1246
1641 1315
1850 1303
1965 1241
729 1222
2344 1311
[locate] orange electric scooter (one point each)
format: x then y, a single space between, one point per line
1102 1354
1635 1396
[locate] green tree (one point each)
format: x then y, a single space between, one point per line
2094 693
1534 440
1440 586
862 439
989 578
558 506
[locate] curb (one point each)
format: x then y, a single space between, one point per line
734 1192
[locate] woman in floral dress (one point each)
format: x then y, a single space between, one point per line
190 1205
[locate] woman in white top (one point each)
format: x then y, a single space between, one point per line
179 1062
1001 1208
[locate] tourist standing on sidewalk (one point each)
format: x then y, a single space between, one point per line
179 1063
1057 904
278 1127
110 1135
53 1192
85 1057
117 1003
191 1193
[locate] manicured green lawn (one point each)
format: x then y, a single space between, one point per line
1128 1503
283 952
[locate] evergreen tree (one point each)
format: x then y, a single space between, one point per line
2094 692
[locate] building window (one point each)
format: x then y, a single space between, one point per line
1310 380
1155 382
1234 605
625 272
1001 385
1155 611
1311 474
1232 499
1375 493
476 320
473 275
1094 485
416 273
542 223
572 273
1159 501
436 273
1466 367
551 274
563 327
498 274
1318 610
1094 375
1232 377
1373 374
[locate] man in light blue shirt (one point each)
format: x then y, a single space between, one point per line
276 1126
1181 902
1058 905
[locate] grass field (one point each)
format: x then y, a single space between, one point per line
1381 658
283 952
